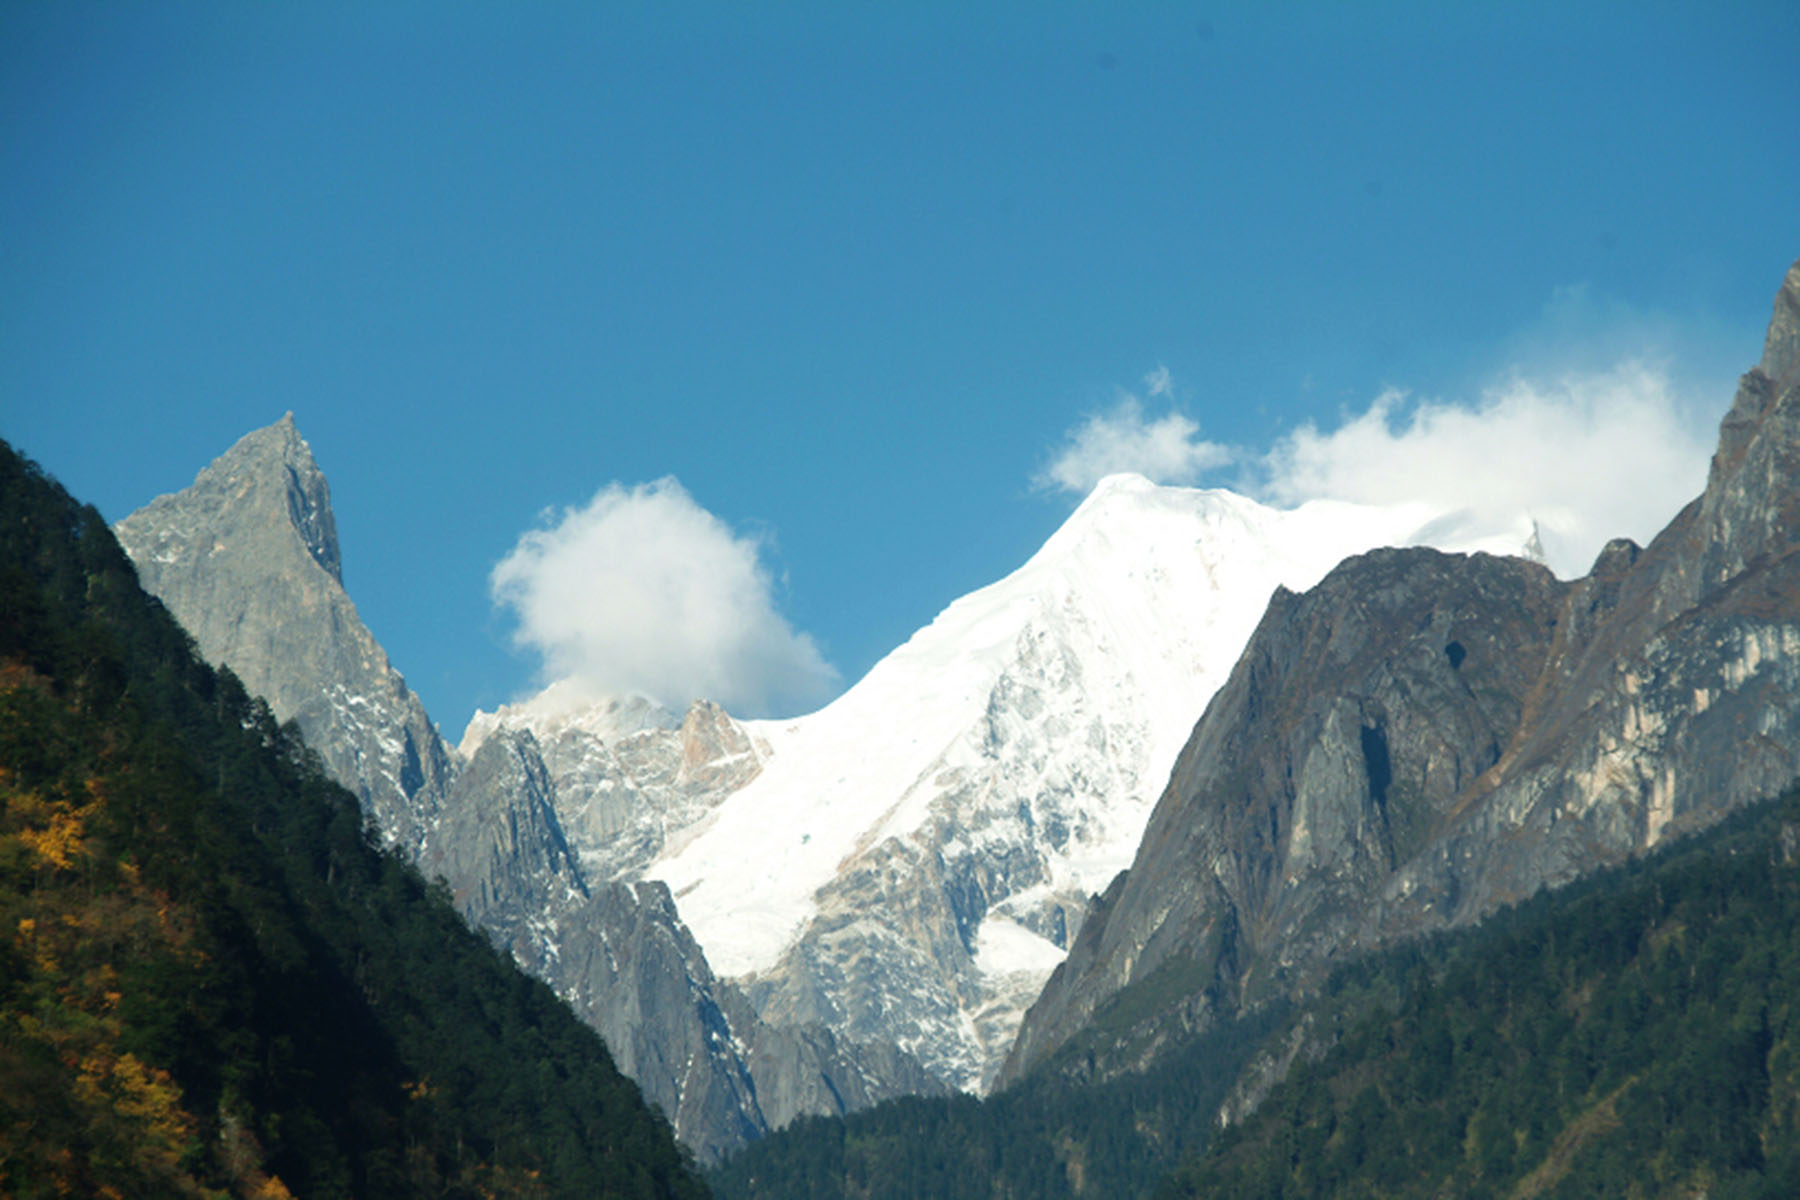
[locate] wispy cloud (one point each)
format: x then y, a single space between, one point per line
642 591
1160 382
1168 449
1589 456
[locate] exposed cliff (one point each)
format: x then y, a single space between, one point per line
247 560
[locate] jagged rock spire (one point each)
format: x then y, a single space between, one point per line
247 559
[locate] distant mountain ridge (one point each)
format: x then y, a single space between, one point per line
949 816
890 880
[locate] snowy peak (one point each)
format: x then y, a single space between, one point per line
910 860
908 864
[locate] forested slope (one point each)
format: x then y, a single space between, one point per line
212 982
1042 1138
1634 1035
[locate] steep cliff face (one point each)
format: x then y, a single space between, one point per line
247 560
1358 714
498 842
626 964
1423 738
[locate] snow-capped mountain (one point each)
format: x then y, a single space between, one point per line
1425 738
907 865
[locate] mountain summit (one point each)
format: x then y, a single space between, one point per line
1423 738
247 558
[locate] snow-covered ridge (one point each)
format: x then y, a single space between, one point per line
1161 586
564 706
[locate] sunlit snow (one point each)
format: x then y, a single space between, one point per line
1149 592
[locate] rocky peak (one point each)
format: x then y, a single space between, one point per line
267 485
309 499
713 745
1751 507
1781 348
273 469
247 559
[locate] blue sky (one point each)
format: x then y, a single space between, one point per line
854 275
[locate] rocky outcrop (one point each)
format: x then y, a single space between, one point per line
623 800
499 844
1423 738
247 560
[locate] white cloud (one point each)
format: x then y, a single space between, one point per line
642 591
1166 450
1589 456
1159 382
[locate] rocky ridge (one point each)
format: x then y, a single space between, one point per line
1423 738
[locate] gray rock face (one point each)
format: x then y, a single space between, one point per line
498 842
1359 713
1423 738
247 560
617 953
622 800
628 967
